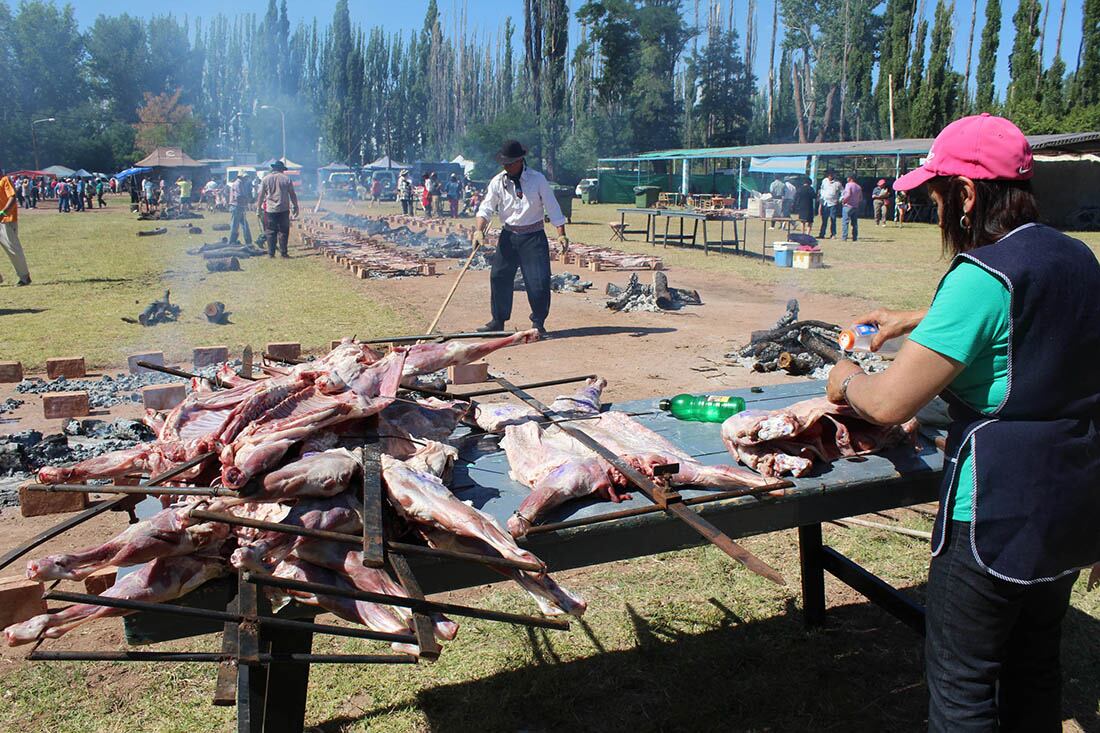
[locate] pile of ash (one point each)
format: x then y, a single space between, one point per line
10 404
105 391
653 298
564 282
798 347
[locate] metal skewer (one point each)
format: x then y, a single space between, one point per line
351 539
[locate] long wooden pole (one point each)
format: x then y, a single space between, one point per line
458 279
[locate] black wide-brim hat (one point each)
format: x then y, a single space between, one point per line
510 152
278 165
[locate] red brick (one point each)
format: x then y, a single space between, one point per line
287 350
428 268
39 503
100 580
468 373
153 357
65 404
20 600
11 371
594 265
205 356
335 343
70 367
163 396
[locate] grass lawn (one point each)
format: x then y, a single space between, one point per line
90 270
680 641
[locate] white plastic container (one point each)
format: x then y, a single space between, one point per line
858 337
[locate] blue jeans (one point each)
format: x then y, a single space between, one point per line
992 647
849 214
239 220
531 254
828 216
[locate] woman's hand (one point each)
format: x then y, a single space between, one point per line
891 324
841 371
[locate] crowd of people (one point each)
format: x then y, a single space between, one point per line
835 199
460 195
72 193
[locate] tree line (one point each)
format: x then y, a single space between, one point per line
640 75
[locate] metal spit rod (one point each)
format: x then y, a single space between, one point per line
499 390
241 618
668 501
414 604
41 655
401 548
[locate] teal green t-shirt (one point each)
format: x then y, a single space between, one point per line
969 322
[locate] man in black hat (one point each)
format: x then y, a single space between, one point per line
521 197
278 202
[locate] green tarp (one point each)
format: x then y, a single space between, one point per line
617 187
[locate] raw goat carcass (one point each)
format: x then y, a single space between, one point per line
165 534
263 549
787 440
161 580
422 498
317 474
557 467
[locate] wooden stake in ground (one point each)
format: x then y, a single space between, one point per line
447 300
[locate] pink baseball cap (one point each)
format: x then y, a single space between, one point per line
982 147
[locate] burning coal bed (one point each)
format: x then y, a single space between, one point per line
453 246
800 348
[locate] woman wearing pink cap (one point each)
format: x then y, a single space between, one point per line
1020 504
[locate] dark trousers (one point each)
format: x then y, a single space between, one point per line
992 647
238 221
276 226
407 207
828 216
531 254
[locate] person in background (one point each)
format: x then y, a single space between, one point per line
803 205
829 196
279 203
9 230
78 191
148 194
851 199
880 199
62 188
375 191
184 185
100 190
35 188
789 190
17 186
453 190
89 195
776 190
521 197
240 196
1019 506
901 207
426 195
437 194
405 193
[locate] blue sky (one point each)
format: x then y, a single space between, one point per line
486 16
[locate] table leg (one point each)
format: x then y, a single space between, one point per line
666 232
810 555
706 246
287 683
622 224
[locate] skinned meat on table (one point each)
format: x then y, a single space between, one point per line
557 467
790 439
496 416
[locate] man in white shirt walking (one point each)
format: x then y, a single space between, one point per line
520 196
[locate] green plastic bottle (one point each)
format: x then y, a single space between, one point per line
703 408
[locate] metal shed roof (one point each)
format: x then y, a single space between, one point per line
1077 142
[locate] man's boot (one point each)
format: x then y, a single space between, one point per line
491 326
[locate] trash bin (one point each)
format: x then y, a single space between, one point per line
645 197
564 195
586 195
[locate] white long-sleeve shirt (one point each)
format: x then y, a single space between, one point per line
525 211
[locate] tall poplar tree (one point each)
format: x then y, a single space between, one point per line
987 57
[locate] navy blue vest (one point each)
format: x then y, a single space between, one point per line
1036 458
